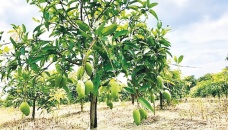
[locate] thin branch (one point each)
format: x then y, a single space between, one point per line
87 16
45 68
70 21
120 10
69 60
81 9
106 7
91 45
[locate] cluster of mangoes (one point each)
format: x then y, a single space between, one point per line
139 115
84 88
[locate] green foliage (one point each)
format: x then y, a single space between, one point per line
179 59
211 85
174 83
112 36
190 81
145 104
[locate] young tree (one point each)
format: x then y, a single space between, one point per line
110 37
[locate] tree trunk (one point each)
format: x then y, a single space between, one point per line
34 108
132 99
219 94
81 105
154 107
226 93
161 101
93 112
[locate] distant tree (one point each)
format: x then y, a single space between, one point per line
211 85
205 77
190 82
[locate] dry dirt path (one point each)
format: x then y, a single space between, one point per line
195 114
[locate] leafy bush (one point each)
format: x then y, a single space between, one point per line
211 85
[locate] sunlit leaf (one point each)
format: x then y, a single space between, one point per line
36 20
175 59
120 33
109 29
153 13
180 59
98 30
83 26
151 5
23 28
145 103
6 49
129 90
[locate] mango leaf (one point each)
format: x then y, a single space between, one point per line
120 33
153 13
36 20
1 32
130 90
72 8
34 67
175 59
37 28
66 89
98 31
134 7
169 53
180 59
6 49
140 78
22 50
13 42
46 15
35 59
96 81
109 29
150 41
85 34
83 26
143 88
148 3
151 5
145 103
23 28
131 45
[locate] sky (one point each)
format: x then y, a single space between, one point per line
199 29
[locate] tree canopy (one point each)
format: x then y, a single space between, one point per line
112 36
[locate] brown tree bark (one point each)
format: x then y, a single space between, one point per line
93 112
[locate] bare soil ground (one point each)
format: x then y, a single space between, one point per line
197 114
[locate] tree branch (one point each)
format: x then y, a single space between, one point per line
105 8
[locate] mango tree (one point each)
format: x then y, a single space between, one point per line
100 38
148 61
211 85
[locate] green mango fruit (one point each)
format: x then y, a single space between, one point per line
167 95
137 117
114 89
88 68
25 108
142 114
80 72
80 88
88 87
